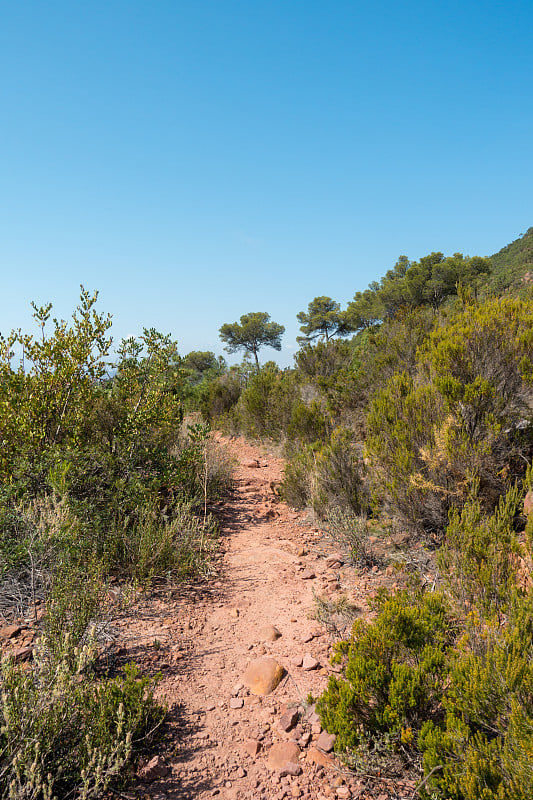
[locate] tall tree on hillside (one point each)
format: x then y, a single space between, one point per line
253 332
323 318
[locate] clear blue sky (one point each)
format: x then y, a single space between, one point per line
197 160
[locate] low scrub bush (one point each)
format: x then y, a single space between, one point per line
463 421
393 673
350 532
325 476
480 555
63 735
483 749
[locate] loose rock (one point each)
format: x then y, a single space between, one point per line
263 675
283 753
326 741
154 769
309 662
10 631
315 756
252 747
269 633
291 768
289 720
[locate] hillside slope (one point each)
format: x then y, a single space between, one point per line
512 262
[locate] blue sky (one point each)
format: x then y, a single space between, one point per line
194 161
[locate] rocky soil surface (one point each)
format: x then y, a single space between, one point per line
240 654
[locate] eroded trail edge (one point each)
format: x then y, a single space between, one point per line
222 739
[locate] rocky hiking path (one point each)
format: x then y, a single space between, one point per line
240 654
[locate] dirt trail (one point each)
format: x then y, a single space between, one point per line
202 637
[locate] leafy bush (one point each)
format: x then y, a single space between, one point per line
325 476
479 557
484 748
463 422
63 735
394 672
350 532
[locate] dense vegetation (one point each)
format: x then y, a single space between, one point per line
98 477
421 424
410 412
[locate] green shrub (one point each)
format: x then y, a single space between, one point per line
479 557
484 748
350 532
62 735
325 476
462 423
297 484
150 546
393 672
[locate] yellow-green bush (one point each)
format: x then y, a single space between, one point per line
393 672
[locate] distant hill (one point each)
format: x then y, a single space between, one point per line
512 262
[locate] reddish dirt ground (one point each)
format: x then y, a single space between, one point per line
202 637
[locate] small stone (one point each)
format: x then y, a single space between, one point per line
309 662
252 747
326 741
10 631
263 675
316 756
305 738
234 612
301 552
323 671
236 702
307 638
269 633
227 784
154 769
240 773
289 720
528 503
344 792
297 661
290 768
252 463
283 753
334 561
237 688
22 653
308 575
316 728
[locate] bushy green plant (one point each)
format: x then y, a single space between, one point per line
393 672
479 557
297 484
325 475
265 406
351 532
63 735
483 750
462 422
